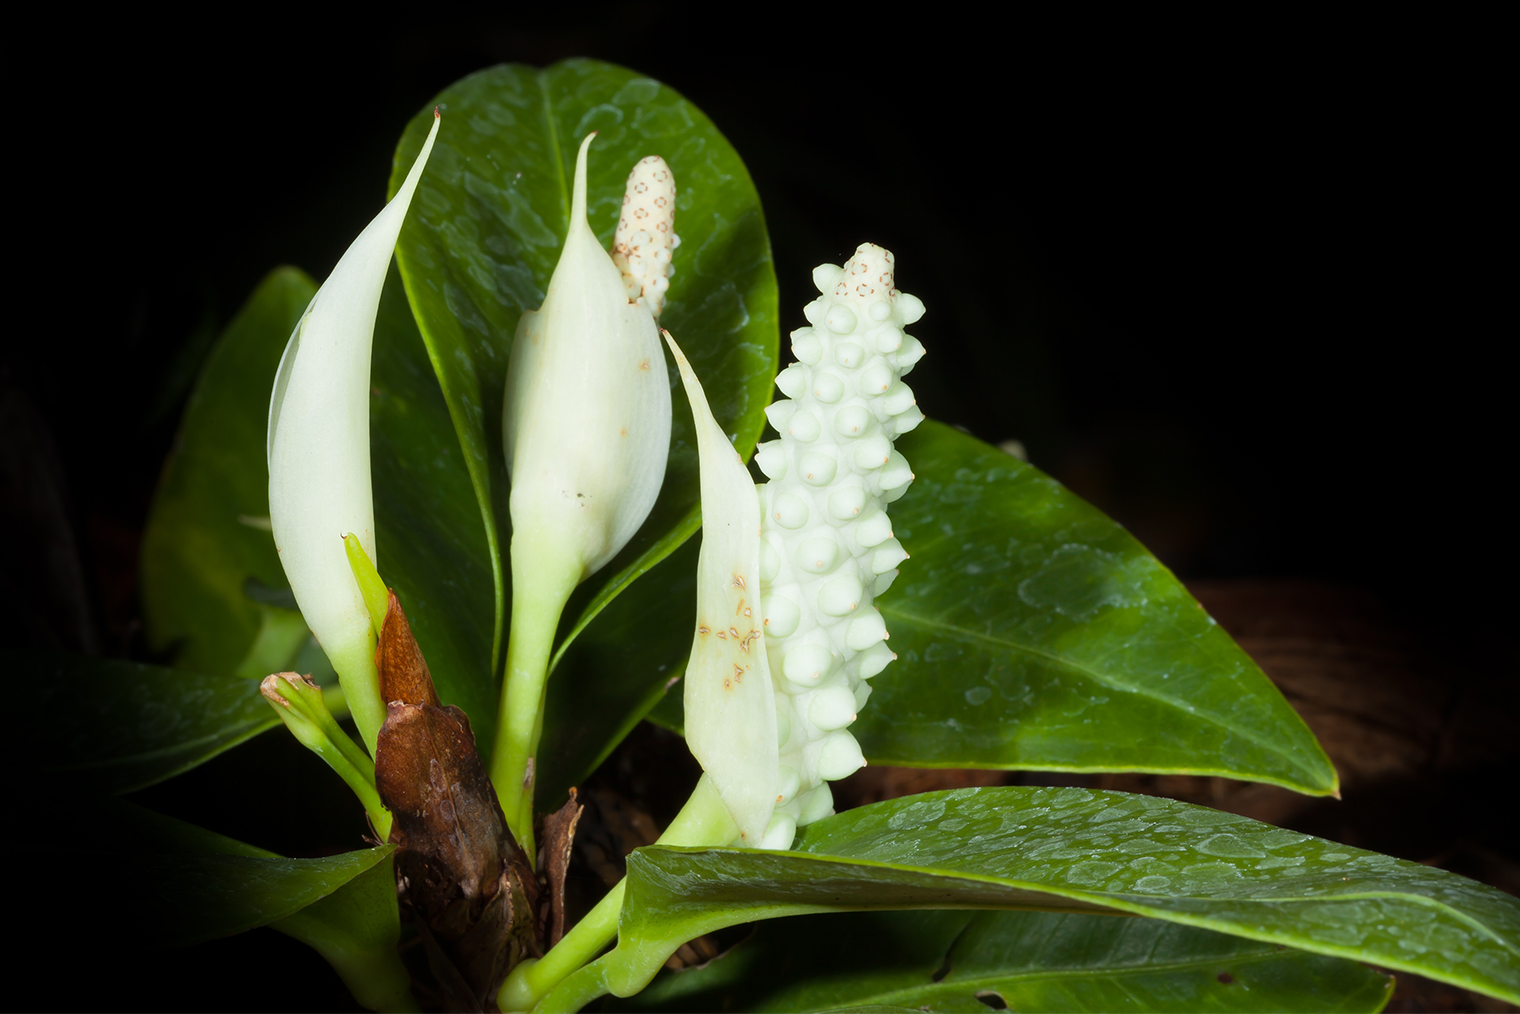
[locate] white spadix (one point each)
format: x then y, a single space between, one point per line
730 705
319 474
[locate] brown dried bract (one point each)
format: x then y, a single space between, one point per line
554 855
403 671
458 867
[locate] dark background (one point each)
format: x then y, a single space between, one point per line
1234 281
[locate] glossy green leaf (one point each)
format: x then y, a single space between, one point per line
1028 961
484 235
208 558
432 548
1079 850
1034 632
121 726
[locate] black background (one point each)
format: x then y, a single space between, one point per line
1234 279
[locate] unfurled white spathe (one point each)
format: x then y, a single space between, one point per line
730 706
319 474
586 424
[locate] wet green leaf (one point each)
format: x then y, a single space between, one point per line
121 726
484 235
1079 850
1028 961
1034 632
208 528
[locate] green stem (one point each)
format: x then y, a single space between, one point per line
704 820
541 584
577 990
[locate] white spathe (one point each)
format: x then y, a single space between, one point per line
319 473
586 425
730 706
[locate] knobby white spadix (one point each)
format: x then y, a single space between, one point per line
827 547
730 704
319 474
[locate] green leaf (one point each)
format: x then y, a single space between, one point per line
432 548
208 528
1032 961
357 928
484 234
179 884
1079 850
1034 632
176 884
192 898
122 726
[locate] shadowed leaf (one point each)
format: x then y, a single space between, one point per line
1033 961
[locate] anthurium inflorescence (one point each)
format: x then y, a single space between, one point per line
586 431
824 550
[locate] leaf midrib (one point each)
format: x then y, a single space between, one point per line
551 129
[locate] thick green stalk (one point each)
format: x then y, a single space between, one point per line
541 584
578 990
704 820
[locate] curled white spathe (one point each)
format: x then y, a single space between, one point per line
730 705
586 425
319 473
